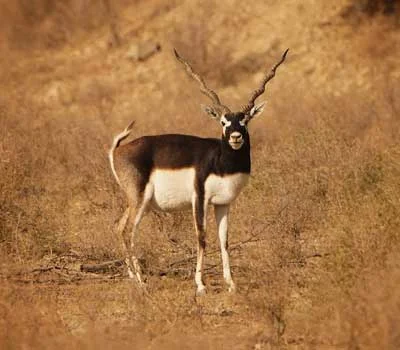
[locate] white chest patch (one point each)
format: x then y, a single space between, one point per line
173 189
224 189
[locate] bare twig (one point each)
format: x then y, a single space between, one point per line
102 267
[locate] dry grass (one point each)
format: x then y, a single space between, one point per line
316 254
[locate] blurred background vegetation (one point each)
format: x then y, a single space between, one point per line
315 236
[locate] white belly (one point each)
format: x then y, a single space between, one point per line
224 189
173 189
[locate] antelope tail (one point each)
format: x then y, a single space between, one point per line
116 142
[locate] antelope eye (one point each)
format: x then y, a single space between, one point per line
243 122
222 123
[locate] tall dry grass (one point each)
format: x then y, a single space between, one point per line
314 237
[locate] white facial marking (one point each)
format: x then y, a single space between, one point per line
236 140
242 122
225 123
224 189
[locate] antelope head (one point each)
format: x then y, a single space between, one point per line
234 124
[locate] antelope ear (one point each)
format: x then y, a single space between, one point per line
211 111
256 110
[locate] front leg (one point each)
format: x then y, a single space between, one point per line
221 216
199 213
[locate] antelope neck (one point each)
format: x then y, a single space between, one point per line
234 161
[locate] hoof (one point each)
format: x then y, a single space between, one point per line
131 274
201 291
232 288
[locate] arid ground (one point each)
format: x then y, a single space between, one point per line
314 237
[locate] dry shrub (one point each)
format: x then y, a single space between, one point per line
54 173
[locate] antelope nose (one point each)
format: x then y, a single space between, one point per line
236 136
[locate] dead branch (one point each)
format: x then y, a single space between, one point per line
102 267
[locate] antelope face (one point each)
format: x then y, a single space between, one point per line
234 125
234 129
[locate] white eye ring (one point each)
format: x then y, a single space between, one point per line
225 122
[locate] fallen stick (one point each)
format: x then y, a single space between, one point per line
102 267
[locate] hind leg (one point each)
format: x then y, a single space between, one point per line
131 219
123 223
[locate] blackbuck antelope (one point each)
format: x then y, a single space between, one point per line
172 172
